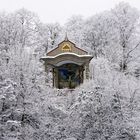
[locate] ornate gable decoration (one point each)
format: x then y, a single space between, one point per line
66 48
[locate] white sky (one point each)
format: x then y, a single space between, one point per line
50 11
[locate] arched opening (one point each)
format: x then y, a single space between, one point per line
70 75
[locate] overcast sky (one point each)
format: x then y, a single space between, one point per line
51 11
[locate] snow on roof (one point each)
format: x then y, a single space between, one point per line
67 53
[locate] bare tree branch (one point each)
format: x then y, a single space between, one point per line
128 61
133 49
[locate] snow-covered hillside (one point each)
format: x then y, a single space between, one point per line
105 107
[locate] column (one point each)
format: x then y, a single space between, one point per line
86 72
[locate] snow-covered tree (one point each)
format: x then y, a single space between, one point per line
127 24
105 107
74 28
97 34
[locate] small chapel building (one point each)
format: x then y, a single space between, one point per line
69 64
